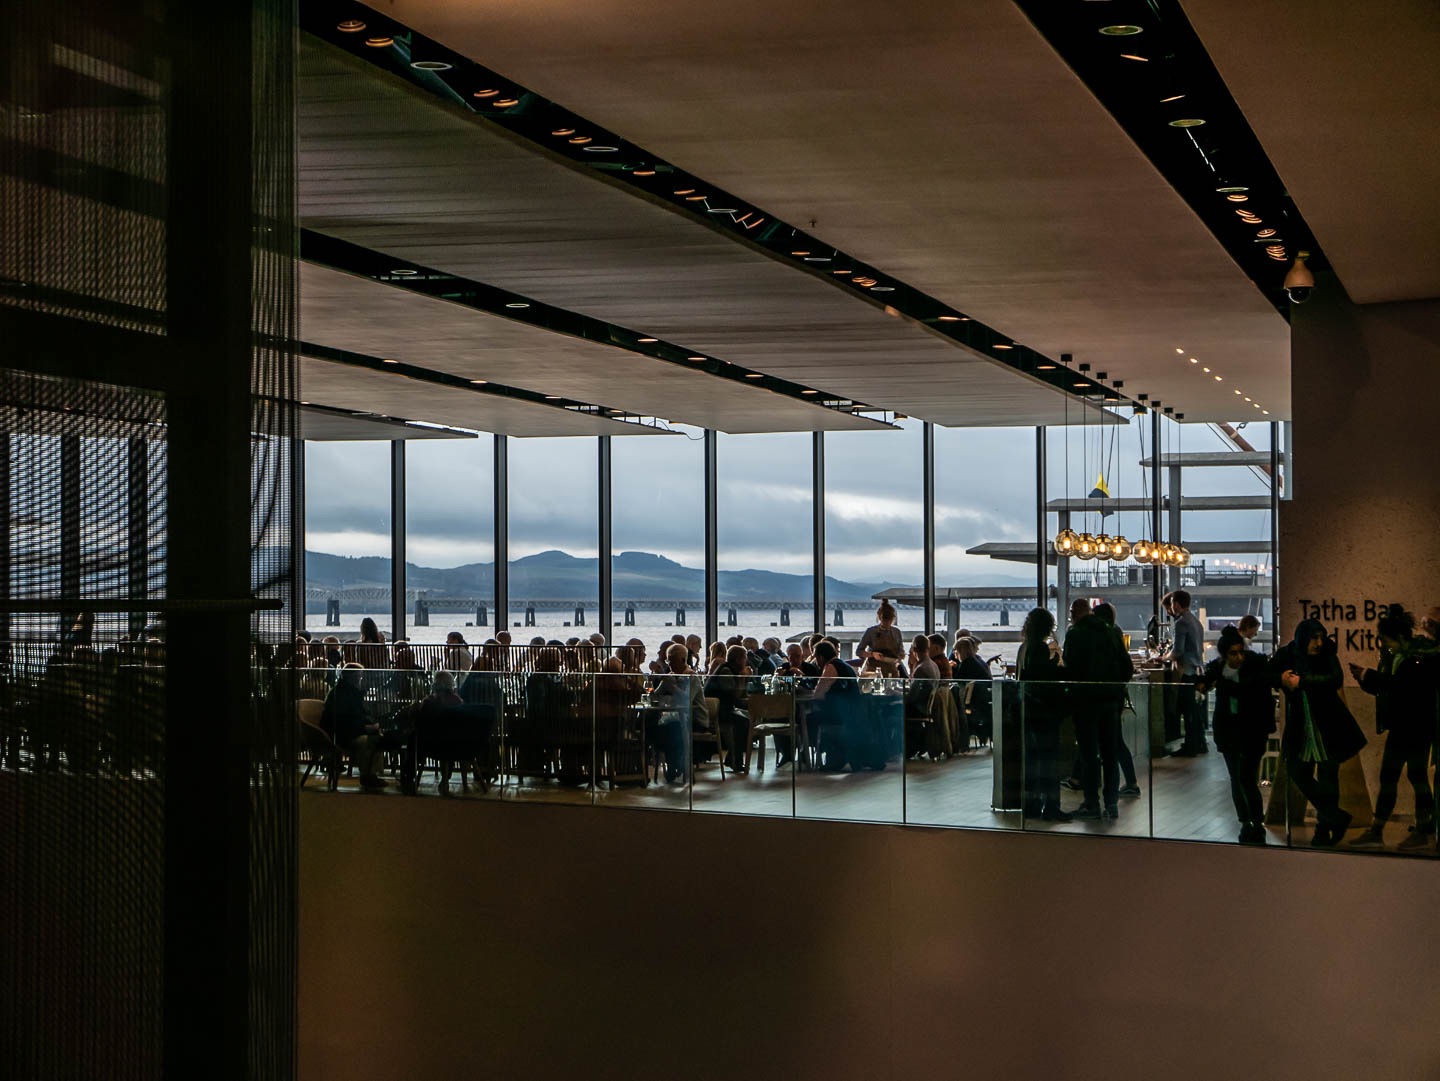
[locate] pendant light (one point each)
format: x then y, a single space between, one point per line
1066 542
1085 547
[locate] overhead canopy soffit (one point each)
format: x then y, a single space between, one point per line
383 168
946 144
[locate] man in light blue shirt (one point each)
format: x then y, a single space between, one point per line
1187 654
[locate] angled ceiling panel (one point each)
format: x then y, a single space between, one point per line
388 168
947 144
343 386
353 313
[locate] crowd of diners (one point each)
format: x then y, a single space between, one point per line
689 691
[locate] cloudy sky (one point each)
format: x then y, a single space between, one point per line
984 492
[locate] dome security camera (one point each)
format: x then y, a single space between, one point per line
1299 282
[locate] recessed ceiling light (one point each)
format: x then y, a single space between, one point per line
1123 30
1265 411
601 149
799 253
721 209
404 272
1245 212
1266 232
1237 393
696 198
479 382
517 304
1194 361
1247 399
1044 367
1237 197
647 340
882 289
1226 189
1180 351
552 397
1187 122
818 258
350 26
1132 56
642 172
684 191
755 375
1206 370
1079 384
505 103
387 360
694 358
949 319
489 93
557 131
579 140
809 392
1003 345
1219 380
430 65
840 272
379 42
1173 97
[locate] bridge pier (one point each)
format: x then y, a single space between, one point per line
1004 617
422 612
529 615
332 612
784 617
629 615
839 620
679 617
482 616
730 617
579 616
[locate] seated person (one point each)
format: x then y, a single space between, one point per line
836 692
937 654
729 685
457 654
344 717
548 705
680 697
920 699
972 692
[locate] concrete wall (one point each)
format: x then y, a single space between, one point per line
446 939
1364 523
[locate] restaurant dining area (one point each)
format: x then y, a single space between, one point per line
818 540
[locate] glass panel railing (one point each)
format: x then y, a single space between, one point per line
1053 755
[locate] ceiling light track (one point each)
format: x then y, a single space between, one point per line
343 255
1179 112
561 133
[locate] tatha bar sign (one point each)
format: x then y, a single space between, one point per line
1361 638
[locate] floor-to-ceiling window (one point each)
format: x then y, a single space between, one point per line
874 526
985 495
764 501
554 515
657 535
347 536
450 539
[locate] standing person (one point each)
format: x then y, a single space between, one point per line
1403 685
1320 732
1090 669
1124 673
881 646
1187 655
1249 627
1244 719
1043 701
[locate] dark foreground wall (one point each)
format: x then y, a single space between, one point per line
446 939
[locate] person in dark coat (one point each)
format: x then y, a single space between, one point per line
1320 732
728 685
1097 696
1243 720
349 725
1042 694
1405 710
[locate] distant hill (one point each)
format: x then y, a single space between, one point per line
556 575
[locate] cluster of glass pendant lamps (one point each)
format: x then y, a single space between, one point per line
1102 546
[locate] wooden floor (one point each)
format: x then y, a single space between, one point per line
1181 798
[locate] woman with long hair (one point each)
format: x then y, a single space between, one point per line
881 645
1042 694
1320 732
